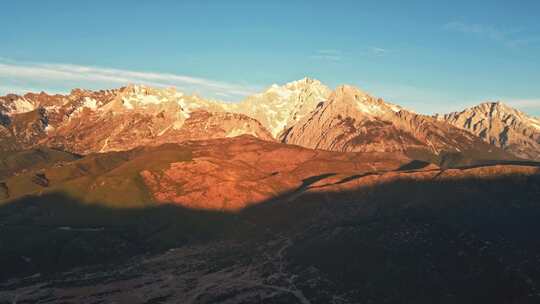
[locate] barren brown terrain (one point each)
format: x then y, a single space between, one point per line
242 220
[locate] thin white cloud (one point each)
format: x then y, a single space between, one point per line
327 55
378 51
525 103
513 38
52 76
329 52
528 105
374 51
477 29
17 89
337 55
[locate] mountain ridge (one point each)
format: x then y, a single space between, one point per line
353 121
500 125
88 121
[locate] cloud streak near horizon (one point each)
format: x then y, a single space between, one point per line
56 78
18 77
524 103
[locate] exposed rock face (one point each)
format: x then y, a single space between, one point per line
279 107
23 130
351 120
231 174
114 120
99 132
500 125
111 120
13 104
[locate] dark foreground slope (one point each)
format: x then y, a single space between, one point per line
397 232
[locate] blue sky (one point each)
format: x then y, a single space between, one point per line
430 56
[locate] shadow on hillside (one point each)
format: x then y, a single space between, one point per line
490 163
414 165
54 233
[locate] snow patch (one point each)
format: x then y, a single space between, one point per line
278 127
369 108
394 107
281 92
90 103
21 105
127 104
148 99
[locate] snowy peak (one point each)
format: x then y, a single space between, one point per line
140 96
289 91
279 107
305 84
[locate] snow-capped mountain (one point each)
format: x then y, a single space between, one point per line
87 121
351 120
502 126
279 107
303 112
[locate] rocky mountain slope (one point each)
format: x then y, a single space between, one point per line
120 119
86 121
351 120
500 125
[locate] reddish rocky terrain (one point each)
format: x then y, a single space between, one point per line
227 174
242 220
86 121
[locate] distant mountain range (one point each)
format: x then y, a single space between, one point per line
303 112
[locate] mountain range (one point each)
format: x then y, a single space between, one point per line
303 112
